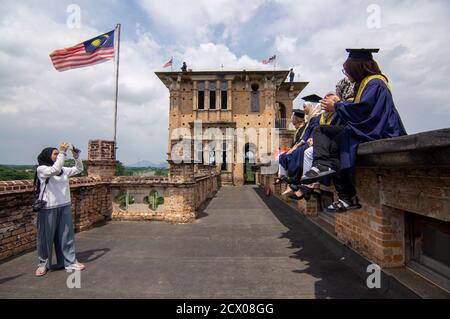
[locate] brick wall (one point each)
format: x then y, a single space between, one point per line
90 204
92 198
101 159
182 198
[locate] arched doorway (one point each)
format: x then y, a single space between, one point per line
281 121
250 160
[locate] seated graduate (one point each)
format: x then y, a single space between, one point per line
290 160
344 91
298 120
371 116
326 118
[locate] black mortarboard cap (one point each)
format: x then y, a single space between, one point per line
361 54
299 113
314 98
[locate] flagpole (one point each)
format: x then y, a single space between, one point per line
117 83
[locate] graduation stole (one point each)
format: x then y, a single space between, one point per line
325 121
296 132
304 127
366 81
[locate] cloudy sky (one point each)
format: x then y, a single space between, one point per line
41 107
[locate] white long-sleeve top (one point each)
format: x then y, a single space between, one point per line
57 193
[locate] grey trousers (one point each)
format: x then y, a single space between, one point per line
55 226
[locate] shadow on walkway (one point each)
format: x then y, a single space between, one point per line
3 280
92 255
333 277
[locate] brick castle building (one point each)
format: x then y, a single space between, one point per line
222 100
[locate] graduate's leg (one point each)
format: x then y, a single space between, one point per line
344 185
346 192
322 142
308 159
281 171
323 136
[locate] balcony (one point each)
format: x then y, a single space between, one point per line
282 123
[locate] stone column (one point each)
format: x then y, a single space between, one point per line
230 95
218 95
206 95
101 159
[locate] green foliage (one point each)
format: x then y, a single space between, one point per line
154 200
121 170
161 172
8 173
122 200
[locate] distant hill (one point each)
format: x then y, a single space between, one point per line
145 163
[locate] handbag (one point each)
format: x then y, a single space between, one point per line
39 203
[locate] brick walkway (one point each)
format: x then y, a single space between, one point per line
238 248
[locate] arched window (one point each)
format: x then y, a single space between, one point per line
255 98
224 95
201 95
212 95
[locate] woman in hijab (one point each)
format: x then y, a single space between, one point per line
288 168
54 220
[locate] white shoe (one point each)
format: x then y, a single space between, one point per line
76 266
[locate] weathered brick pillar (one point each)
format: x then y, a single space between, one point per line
204 169
101 159
182 172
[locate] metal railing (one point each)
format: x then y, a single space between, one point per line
282 123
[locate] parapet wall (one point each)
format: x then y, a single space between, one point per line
102 196
90 204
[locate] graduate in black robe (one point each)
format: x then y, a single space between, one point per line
292 161
371 116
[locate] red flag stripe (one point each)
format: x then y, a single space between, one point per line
82 58
67 51
67 54
104 56
109 56
73 65
81 65
84 55
75 47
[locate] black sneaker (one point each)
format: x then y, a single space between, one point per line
316 174
344 205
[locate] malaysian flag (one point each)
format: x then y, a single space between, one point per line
168 63
96 50
270 60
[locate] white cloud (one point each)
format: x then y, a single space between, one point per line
76 105
285 45
211 56
192 22
40 106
